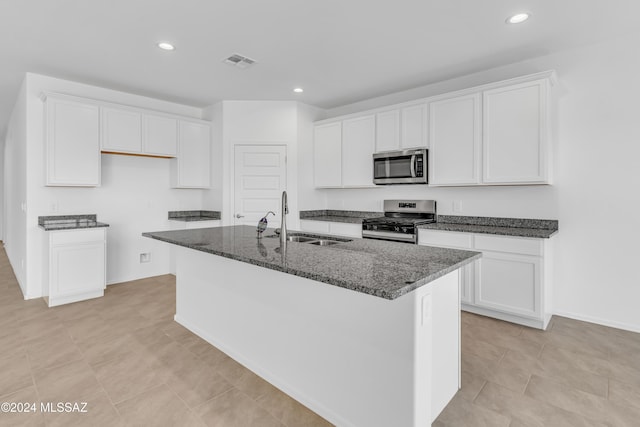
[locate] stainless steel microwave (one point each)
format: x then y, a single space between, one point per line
400 167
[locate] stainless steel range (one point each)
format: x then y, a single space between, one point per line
400 221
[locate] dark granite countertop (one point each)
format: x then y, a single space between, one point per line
516 227
384 269
69 222
352 217
188 216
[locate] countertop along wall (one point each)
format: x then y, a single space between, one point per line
134 197
595 187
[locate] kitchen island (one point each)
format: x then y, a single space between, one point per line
364 332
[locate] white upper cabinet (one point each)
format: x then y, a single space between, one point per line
509 127
515 134
191 169
72 143
343 152
121 130
388 130
131 131
327 155
402 128
495 134
159 135
454 140
414 126
358 144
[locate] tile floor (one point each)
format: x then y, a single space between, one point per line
126 357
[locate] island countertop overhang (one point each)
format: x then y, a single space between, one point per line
384 269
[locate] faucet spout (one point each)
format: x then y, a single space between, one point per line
283 221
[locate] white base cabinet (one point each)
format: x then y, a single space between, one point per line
334 228
510 282
190 225
76 266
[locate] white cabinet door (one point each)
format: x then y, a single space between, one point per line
454 141
515 134
388 130
510 283
358 144
72 143
159 135
414 126
76 262
327 155
121 130
191 169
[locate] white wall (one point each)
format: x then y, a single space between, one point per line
135 195
212 198
259 123
15 188
596 175
2 213
308 196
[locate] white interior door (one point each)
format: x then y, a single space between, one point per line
260 177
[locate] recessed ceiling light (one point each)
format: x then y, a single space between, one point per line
298 90
518 18
166 46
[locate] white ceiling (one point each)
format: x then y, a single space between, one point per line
339 51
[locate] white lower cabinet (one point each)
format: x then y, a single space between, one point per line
334 228
510 282
190 225
76 265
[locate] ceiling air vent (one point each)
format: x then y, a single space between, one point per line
239 61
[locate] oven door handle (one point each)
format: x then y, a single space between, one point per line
413 166
388 235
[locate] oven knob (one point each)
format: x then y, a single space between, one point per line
375 227
397 228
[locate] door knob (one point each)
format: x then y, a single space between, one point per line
239 216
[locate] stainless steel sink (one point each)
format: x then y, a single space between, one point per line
300 239
324 242
313 239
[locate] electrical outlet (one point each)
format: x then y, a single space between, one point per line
145 257
457 206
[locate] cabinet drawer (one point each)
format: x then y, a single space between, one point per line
65 237
445 238
518 245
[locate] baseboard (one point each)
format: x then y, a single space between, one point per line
255 367
532 323
132 278
599 321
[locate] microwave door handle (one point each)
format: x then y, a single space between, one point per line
413 166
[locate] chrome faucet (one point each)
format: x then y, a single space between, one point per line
283 221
